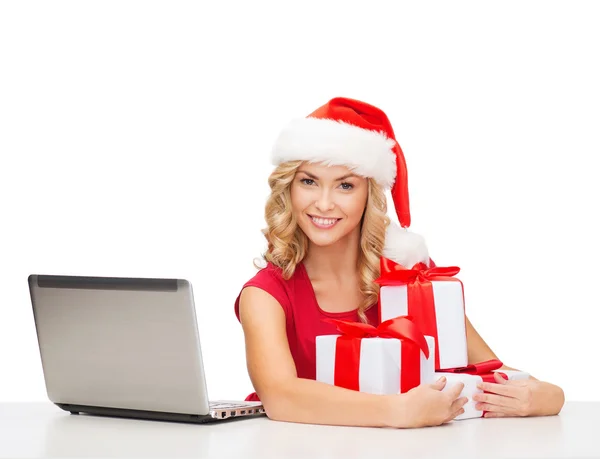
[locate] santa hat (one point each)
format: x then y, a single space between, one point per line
351 133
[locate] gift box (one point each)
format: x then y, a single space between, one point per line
390 359
435 301
471 375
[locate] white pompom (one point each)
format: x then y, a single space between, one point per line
404 247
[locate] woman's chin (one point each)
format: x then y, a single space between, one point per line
319 242
323 238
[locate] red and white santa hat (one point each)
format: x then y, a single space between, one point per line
351 133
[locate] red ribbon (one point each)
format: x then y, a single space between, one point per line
347 350
421 303
483 369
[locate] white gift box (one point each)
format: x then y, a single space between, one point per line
470 389
380 367
450 318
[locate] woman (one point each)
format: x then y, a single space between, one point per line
327 228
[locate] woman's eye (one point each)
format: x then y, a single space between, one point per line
307 181
347 186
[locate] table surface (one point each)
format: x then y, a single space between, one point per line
43 430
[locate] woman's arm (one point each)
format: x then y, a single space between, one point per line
477 348
273 374
517 398
289 398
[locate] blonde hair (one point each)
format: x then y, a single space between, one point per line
287 243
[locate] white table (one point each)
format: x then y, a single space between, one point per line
43 430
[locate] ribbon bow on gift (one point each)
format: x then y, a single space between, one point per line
484 369
347 350
394 274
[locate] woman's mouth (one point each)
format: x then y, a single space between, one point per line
324 223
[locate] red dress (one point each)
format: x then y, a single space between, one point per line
304 317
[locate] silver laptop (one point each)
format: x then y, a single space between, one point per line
126 347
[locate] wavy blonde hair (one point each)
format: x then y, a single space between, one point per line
287 243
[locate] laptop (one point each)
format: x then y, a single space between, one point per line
125 347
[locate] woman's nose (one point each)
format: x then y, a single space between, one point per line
324 203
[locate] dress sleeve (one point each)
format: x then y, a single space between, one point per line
266 279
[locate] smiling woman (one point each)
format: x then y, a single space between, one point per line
332 210
327 228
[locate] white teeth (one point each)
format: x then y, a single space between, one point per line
324 221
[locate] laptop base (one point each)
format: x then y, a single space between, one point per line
143 414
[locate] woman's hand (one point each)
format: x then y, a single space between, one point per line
426 405
528 397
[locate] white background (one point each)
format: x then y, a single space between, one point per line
135 139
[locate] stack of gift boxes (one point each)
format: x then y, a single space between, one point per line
421 337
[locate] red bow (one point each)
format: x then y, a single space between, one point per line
401 327
347 353
480 369
394 274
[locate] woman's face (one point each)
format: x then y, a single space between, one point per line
328 201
